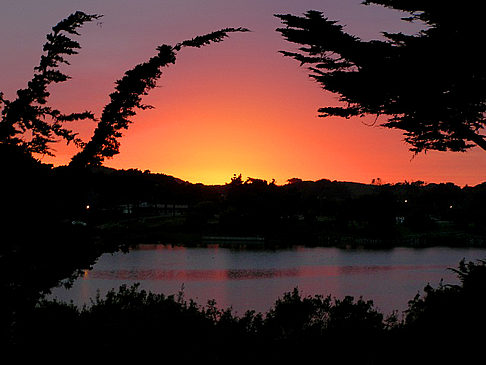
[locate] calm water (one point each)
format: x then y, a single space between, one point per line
247 279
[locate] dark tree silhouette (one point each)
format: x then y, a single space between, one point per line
431 85
27 122
42 201
128 97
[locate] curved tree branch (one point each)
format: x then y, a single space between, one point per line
128 97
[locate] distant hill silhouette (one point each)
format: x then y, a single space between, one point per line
140 206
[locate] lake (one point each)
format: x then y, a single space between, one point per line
254 279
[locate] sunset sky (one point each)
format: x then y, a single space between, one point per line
229 108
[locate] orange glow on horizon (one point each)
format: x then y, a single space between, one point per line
238 107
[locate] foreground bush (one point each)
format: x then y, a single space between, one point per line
439 327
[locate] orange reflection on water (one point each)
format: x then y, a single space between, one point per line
248 274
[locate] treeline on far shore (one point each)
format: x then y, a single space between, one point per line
139 206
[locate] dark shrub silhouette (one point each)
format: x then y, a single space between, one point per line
442 326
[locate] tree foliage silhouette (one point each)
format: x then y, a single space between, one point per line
30 125
431 85
27 122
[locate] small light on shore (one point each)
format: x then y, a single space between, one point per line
87 207
406 200
450 207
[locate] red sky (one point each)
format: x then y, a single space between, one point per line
230 108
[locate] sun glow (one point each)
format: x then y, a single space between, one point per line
237 107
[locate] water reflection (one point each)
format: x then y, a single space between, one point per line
246 274
246 279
